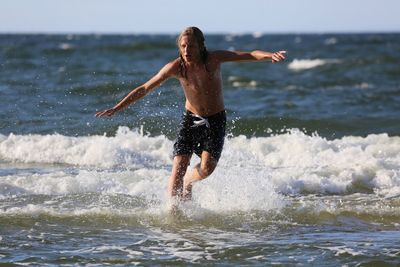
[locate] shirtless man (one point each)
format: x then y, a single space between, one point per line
203 124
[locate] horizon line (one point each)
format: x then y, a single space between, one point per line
256 33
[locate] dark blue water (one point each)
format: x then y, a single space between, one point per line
55 83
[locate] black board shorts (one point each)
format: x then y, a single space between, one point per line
198 134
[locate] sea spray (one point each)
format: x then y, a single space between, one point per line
292 163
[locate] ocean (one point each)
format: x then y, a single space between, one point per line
309 175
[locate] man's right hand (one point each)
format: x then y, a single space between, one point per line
106 113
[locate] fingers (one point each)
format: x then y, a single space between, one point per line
278 56
100 114
105 113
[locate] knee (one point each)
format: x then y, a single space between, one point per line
180 164
206 170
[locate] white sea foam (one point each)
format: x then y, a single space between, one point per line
257 35
364 85
251 84
126 149
343 250
61 182
253 170
239 82
304 64
229 38
330 41
65 46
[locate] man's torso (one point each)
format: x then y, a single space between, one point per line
203 88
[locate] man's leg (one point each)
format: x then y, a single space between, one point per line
201 171
175 184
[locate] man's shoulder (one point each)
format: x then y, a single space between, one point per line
175 62
172 67
217 55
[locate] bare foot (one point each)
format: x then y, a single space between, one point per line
175 212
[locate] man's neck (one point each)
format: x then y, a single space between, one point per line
194 63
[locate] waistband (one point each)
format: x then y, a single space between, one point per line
216 115
200 120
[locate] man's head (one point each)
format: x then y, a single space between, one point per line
191 45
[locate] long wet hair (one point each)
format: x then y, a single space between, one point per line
199 37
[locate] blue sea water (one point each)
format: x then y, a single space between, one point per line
309 175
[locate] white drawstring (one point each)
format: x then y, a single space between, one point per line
202 121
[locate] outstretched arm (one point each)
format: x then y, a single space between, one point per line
256 55
141 91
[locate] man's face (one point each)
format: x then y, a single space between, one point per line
189 49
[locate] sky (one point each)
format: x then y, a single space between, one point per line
212 16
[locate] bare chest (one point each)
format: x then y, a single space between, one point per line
202 82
